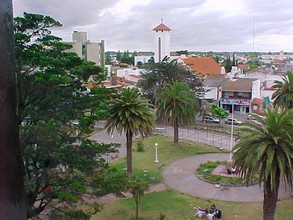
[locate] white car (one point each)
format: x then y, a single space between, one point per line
210 119
232 120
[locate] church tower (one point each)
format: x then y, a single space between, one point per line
162 41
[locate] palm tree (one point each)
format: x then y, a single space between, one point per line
130 114
267 151
284 94
176 103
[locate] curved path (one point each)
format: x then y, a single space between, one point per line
180 175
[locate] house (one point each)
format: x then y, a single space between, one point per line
237 94
213 87
203 66
267 79
234 95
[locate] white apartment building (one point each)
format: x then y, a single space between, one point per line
87 50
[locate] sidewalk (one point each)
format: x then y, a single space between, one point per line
180 176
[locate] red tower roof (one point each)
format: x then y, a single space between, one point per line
162 27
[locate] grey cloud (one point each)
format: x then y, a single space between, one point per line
192 27
68 12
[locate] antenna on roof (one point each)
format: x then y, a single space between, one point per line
253 22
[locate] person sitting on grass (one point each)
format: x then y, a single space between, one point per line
201 212
216 212
210 215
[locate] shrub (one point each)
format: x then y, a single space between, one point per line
140 146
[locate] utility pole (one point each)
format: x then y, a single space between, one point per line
12 199
253 22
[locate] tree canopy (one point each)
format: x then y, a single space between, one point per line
219 112
284 94
56 113
177 104
156 75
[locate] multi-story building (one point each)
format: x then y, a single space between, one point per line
233 94
87 50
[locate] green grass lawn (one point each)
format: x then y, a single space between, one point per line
178 206
167 153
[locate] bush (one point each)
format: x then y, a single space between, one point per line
140 146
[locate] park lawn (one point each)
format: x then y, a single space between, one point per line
178 206
167 153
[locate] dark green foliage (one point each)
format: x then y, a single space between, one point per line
284 94
127 58
177 104
253 64
56 113
228 64
158 74
219 112
140 146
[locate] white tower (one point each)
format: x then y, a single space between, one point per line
162 41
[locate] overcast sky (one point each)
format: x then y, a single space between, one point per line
197 25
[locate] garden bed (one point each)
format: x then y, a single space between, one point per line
206 173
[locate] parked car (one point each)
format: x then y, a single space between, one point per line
234 120
256 122
210 119
252 120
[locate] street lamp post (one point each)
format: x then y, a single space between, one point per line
232 131
156 150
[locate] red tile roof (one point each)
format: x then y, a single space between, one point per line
243 66
277 61
162 27
203 65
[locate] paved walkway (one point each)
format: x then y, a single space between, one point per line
180 174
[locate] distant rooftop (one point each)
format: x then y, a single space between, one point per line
203 65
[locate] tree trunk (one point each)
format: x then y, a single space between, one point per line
136 213
12 199
270 198
176 133
129 152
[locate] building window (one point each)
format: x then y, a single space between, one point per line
246 95
228 95
237 108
